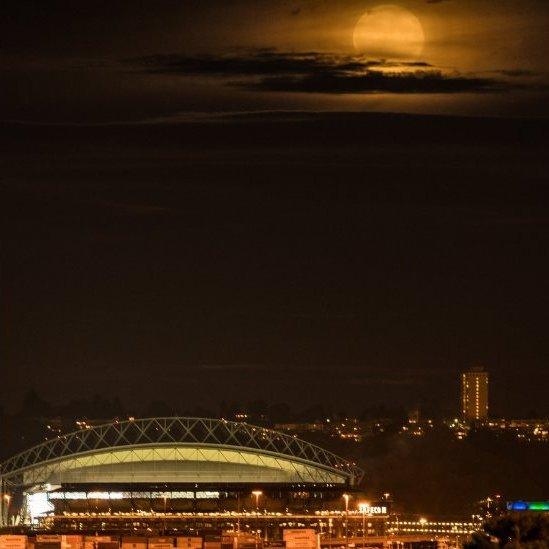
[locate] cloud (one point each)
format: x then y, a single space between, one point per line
261 62
375 82
312 72
517 73
233 367
131 209
378 381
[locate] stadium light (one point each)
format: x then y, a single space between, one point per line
7 499
257 494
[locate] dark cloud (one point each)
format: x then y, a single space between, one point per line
375 82
517 73
261 62
233 367
312 72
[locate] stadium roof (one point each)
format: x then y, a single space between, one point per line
177 449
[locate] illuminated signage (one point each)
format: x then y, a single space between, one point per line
528 506
372 509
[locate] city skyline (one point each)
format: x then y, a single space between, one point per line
433 404
473 405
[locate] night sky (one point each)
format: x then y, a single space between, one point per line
206 201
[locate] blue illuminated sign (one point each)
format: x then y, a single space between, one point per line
528 506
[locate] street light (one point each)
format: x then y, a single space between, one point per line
346 498
364 507
257 494
238 512
164 526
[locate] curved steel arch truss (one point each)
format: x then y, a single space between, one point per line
173 434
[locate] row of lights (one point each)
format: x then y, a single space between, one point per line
363 507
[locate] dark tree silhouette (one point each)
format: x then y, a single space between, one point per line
516 530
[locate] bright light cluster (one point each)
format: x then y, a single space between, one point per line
132 495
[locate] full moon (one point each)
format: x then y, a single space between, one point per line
389 31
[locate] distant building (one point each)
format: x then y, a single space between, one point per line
474 394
